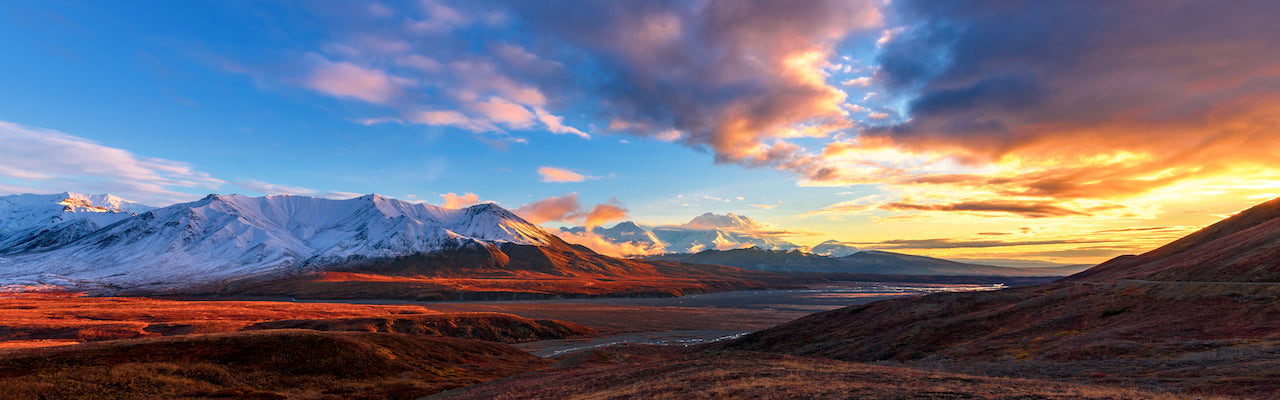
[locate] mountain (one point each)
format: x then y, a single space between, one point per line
623 232
707 231
229 244
1206 303
730 221
229 237
1068 269
685 240
833 248
32 222
863 262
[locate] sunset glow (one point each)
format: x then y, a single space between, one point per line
1067 131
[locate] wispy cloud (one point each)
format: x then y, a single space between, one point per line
272 188
51 161
344 79
554 174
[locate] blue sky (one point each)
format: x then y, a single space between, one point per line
866 122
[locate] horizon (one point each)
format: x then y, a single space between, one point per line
883 125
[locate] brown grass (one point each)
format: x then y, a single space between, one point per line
741 375
281 364
36 321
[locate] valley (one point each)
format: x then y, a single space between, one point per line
518 315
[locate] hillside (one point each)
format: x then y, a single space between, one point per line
635 374
861 262
1089 327
1242 248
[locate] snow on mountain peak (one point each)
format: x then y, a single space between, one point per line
225 237
729 221
30 222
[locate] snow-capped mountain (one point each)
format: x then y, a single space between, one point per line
730 221
704 232
684 240
833 248
32 222
623 232
223 238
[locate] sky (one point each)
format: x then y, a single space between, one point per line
1055 131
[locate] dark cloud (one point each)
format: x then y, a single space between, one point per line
1025 209
996 78
965 244
730 76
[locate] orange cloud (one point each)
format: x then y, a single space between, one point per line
553 174
566 208
343 79
562 209
452 200
606 247
603 213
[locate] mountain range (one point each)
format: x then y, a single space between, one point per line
861 262
705 232
225 243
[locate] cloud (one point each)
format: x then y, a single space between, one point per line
453 200
344 79
732 77
974 103
271 188
604 246
556 125
552 209
966 244
553 174
604 213
1141 97
507 113
565 208
52 161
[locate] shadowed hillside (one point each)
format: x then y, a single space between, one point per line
1119 322
745 375
1242 248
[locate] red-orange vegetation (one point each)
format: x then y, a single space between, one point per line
278 364
33 321
637 374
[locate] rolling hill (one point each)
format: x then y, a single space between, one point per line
1207 303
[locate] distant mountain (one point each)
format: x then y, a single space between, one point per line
1051 268
1203 299
222 242
863 262
32 222
833 248
706 231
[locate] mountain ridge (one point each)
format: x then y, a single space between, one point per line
861 262
232 236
